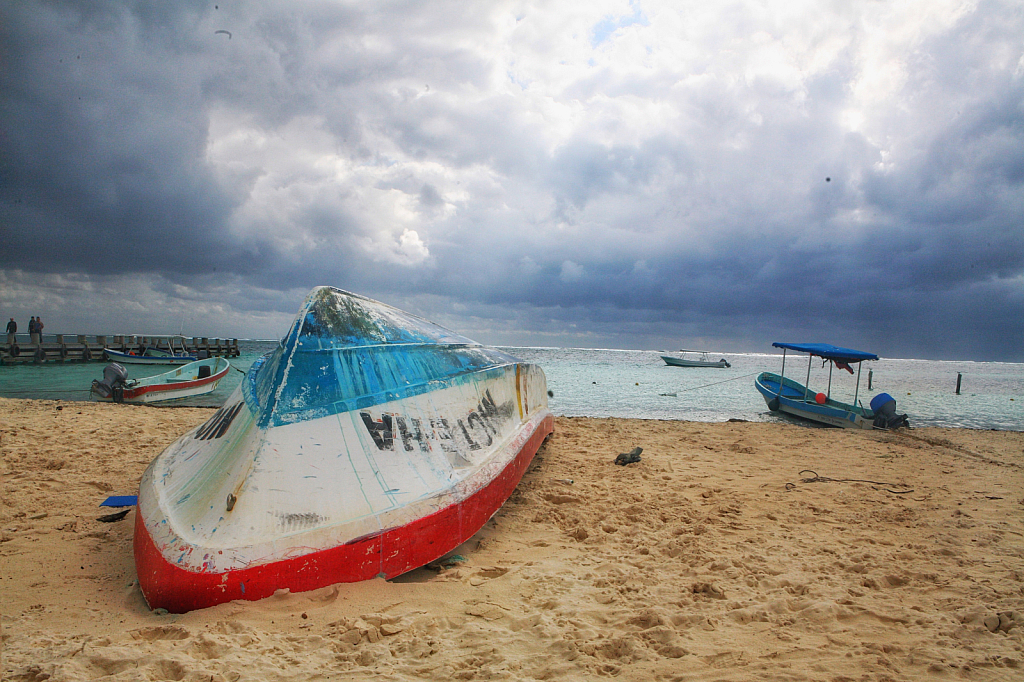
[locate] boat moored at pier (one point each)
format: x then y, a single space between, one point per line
173 354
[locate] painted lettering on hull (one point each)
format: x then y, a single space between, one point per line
380 430
473 431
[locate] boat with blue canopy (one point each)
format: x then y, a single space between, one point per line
793 398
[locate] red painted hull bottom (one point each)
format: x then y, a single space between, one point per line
389 553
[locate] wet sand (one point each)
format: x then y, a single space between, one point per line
716 557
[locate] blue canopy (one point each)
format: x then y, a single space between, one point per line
829 352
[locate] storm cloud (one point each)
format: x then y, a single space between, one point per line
614 174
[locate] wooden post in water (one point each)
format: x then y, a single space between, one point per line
958 375
871 373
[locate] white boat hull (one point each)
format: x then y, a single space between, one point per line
683 362
317 492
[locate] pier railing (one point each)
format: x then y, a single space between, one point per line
40 348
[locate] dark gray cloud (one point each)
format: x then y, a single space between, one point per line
624 174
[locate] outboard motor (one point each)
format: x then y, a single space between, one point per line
115 376
884 407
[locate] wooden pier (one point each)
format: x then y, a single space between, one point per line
38 349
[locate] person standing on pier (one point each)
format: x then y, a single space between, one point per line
39 326
12 327
32 325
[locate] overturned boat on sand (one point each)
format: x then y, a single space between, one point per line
369 443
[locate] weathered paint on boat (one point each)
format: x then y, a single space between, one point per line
370 443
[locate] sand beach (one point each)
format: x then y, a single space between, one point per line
731 551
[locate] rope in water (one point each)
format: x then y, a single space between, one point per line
694 388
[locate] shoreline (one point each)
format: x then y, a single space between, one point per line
781 421
717 554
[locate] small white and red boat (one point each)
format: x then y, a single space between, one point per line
369 443
195 378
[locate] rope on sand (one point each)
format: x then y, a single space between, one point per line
956 448
823 479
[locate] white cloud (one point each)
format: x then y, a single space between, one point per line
571 272
520 154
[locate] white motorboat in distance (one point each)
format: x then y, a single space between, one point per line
697 358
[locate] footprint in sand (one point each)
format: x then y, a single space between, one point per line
560 498
485 610
160 632
488 573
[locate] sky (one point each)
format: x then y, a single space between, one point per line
609 174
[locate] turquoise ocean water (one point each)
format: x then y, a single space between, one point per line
639 385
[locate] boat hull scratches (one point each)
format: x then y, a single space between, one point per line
386 554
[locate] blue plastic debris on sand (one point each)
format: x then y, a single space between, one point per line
120 501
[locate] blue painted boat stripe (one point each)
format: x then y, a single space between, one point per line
120 501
